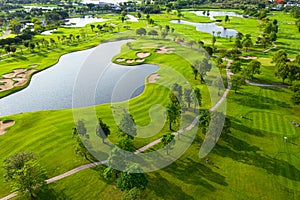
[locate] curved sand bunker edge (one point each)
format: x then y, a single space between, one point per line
6 124
152 78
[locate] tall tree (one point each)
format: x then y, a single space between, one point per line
173 113
24 173
132 177
127 126
102 130
168 141
252 68
188 96
197 98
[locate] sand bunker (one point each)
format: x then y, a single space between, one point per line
120 59
248 57
18 77
4 125
139 60
6 84
129 61
143 54
292 59
153 77
164 50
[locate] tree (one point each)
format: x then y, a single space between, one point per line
80 128
141 31
168 141
247 42
237 81
238 44
252 68
197 98
235 66
127 126
79 147
24 173
213 41
102 130
173 113
178 90
227 18
92 27
218 82
195 71
31 46
296 93
15 26
280 56
132 177
153 33
139 15
126 144
187 96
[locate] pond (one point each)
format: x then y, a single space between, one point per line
210 28
82 21
49 32
213 14
94 76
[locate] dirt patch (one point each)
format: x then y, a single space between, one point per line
248 57
139 60
129 61
6 84
164 50
18 77
153 77
292 59
143 54
120 59
4 125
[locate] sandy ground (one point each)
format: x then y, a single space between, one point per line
129 61
139 60
6 84
153 77
164 50
120 59
248 57
18 77
143 54
5 125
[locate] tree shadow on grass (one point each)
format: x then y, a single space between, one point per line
165 189
195 173
259 102
242 152
245 129
47 193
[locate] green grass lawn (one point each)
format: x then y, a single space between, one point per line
252 162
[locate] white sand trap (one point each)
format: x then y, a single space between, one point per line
139 60
4 125
23 77
9 75
164 50
292 59
129 61
120 59
6 84
143 54
248 57
18 71
153 77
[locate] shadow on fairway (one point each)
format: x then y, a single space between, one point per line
241 151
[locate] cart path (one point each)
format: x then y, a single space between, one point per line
144 148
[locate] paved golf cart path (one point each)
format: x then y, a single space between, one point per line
265 85
144 148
